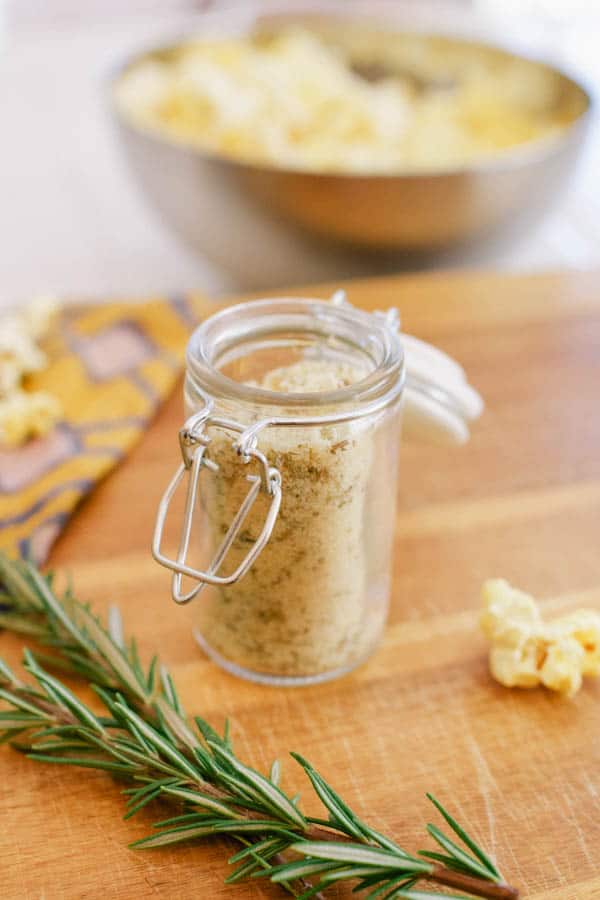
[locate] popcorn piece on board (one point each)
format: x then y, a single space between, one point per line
584 626
515 666
509 615
526 651
562 668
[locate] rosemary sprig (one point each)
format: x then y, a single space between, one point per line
143 737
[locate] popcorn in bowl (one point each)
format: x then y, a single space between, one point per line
298 100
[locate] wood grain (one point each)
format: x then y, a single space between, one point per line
522 500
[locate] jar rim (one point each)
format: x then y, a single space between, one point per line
224 329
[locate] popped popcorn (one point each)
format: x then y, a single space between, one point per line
295 99
526 651
583 625
25 414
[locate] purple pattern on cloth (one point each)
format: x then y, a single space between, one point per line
37 546
109 425
117 350
21 466
182 306
81 485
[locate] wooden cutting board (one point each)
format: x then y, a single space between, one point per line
521 769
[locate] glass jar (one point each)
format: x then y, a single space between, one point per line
290 451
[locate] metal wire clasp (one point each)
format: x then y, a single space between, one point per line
194 440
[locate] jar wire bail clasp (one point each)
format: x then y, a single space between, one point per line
194 441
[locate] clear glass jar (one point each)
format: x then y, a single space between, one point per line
291 454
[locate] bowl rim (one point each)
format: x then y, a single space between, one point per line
518 156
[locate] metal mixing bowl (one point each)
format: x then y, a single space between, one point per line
268 225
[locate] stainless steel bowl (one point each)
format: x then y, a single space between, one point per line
267 226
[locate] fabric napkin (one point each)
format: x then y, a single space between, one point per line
111 366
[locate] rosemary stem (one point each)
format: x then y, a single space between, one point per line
477 886
60 715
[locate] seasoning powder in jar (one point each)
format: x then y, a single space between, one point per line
314 601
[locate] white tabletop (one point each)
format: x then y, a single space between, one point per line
73 223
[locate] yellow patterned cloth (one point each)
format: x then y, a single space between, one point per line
111 366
